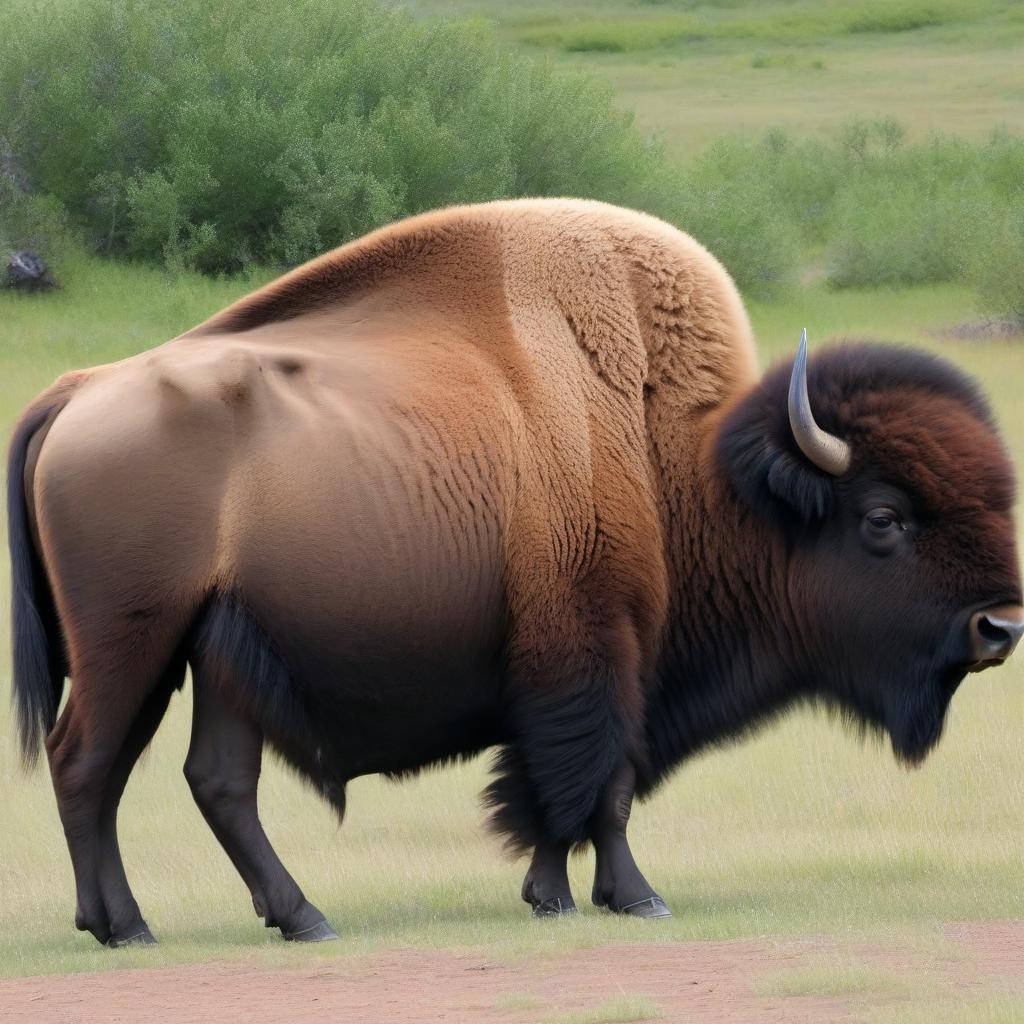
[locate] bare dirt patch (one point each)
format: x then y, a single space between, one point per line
996 948
699 982
695 982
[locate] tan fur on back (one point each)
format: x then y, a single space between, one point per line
640 296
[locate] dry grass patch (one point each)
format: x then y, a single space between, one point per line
624 1009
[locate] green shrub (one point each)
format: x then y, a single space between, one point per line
899 17
751 239
997 268
897 231
616 35
214 136
258 133
1002 167
906 214
873 208
801 178
219 136
35 222
728 203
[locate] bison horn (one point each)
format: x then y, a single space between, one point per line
825 450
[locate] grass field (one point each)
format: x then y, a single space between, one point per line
692 71
805 830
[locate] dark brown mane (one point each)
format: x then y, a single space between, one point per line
756 447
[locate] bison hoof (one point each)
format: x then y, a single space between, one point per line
555 907
319 932
142 937
650 908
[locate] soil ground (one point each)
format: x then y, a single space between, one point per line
696 982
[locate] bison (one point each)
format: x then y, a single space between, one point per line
500 475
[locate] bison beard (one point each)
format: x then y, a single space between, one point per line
917 720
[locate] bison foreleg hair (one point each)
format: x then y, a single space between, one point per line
564 747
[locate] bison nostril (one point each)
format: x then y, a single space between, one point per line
991 632
995 632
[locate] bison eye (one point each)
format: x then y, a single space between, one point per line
882 530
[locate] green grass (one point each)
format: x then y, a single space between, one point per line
912 995
787 24
803 830
835 979
998 1009
624 1009
692 71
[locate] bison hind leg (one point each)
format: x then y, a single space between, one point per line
121 684
237 657
242 694
127 926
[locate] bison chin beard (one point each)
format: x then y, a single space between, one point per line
916 715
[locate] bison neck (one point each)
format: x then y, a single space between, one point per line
719 670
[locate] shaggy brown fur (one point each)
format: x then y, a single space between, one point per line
494 475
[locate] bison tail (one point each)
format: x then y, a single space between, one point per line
38 667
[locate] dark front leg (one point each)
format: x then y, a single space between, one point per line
223 769
618 883
546 886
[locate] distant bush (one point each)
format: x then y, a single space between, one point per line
933 211
222 136
874 209
725 200
218 136
891 230
907 214
899 17
35 222
998 270
676 24
616 35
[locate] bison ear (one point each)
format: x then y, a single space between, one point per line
758 453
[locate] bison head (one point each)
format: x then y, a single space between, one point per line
888 494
